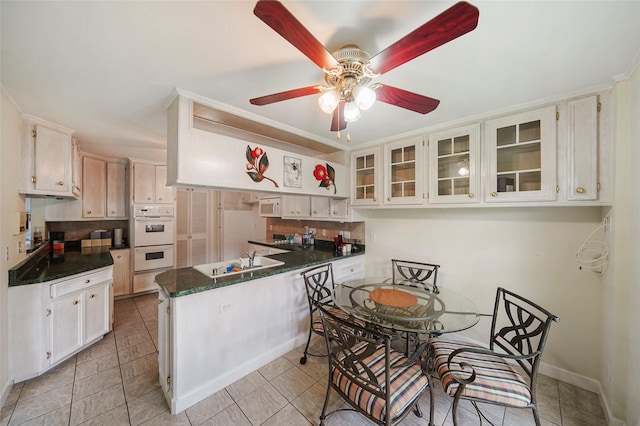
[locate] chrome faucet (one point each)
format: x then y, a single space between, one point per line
251 256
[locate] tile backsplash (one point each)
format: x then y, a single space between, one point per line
82 230
292 226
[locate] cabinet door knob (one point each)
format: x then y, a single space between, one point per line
471 195
75 302
148 198
87 281
48 312
119 257
580 190
88 211
160 199
60 183
494 194
92 296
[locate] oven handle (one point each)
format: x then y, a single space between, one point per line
154 219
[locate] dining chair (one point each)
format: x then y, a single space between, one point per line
519 331
380 383
319 285
425 274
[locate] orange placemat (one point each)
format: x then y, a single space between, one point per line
393 297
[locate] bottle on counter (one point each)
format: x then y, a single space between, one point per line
37 236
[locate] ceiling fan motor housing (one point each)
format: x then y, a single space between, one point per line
353 70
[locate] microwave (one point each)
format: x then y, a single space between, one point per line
269 207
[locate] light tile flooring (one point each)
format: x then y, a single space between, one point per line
115 382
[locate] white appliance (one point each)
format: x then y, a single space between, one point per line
152 257
153 238
269 207
153 225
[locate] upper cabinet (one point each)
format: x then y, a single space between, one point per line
46 159
94 180
365 177
454 165
582 149
116 189
403 172
521 157
149 182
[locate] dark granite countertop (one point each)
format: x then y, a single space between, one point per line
185 281
42 266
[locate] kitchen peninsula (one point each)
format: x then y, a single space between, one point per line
214 331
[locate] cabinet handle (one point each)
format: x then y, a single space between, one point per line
75 302
471 195
494 194
388 198
148 198
60 183
88 211
48 312
160 199
580 190
159 301
48 355
119 257
87 281
92 296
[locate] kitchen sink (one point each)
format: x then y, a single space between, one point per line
238 266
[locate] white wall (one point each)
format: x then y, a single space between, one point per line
621 290
528 250
11 203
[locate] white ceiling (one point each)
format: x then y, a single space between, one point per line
108 69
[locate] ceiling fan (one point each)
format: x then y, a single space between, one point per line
350 70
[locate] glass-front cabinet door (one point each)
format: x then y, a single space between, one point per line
454 165
403 172
521 157
365 177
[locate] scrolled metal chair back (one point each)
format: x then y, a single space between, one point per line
318 284
520 327
425 274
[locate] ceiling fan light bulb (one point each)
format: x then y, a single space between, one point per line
351 112
328 101
364 96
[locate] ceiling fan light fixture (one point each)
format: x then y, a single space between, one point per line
364 97
351 112
328 101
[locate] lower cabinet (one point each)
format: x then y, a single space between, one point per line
121 272
51 321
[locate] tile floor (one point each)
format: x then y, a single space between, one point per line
115 382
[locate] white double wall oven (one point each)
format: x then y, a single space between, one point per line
153 241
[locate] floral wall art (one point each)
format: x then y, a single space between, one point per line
326 175
257 165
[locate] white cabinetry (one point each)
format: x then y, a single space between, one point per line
51 321
79 313
121 271
193 226
296 206
46 159
365 177
582 149
149 183
320 207
94 182
116 189
454 165
403 172
521 157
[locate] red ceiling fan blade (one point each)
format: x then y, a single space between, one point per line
407 100
450 24
338 122
275 15
283 96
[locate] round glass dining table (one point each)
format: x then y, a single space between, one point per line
406 306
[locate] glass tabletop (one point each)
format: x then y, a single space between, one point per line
406 306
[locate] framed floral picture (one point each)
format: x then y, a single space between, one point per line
292 172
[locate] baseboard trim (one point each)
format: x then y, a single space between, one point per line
6 388
578 380
180 404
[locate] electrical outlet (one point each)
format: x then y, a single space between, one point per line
225 306
606 224
6 253
324 232
19 247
